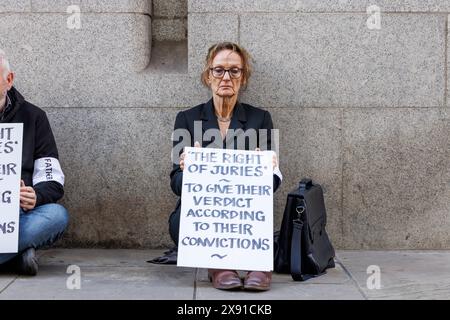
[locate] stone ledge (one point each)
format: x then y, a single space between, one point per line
240 6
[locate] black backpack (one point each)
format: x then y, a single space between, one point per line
302 247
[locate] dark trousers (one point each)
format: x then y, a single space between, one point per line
174 224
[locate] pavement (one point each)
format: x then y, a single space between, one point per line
85 274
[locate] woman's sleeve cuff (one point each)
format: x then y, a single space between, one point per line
277 172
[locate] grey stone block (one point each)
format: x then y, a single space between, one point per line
75 64
310 147
170 8
202 6
117 165
157 88
336 61
396 179
170 57
121 6
206 30
413 275
15 6
93 6
169 29
59 6
91 49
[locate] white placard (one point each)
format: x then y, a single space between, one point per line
227 210
10 175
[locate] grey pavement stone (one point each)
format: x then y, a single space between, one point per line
103 283
336 61
310 147
408 275
128 258
335 285
15 6
396 179
169 29
206 30
317 6
124 274
105 274
5 280
170 8
333 276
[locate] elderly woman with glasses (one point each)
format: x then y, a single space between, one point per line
226 72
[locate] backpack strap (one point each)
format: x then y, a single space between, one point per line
296 251
296 245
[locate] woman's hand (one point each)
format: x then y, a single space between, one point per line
274 159
196 145
27 197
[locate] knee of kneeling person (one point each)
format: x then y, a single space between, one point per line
58 214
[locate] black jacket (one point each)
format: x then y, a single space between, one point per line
244 117
40 161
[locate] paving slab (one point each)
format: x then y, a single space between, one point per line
5 280
403 274
124 274
105 274
100 257
334 285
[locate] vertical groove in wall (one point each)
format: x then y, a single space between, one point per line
152 9
239 29
445 62
341 222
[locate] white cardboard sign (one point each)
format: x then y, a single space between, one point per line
227 210
10 175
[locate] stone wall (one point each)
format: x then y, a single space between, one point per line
362 111
169 20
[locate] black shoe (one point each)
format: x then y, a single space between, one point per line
9 266
28 263
169 257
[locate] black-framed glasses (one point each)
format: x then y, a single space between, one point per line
219 72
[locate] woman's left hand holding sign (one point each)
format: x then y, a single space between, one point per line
196 145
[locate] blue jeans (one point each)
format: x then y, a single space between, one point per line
39 227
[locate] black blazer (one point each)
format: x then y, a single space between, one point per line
244 117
